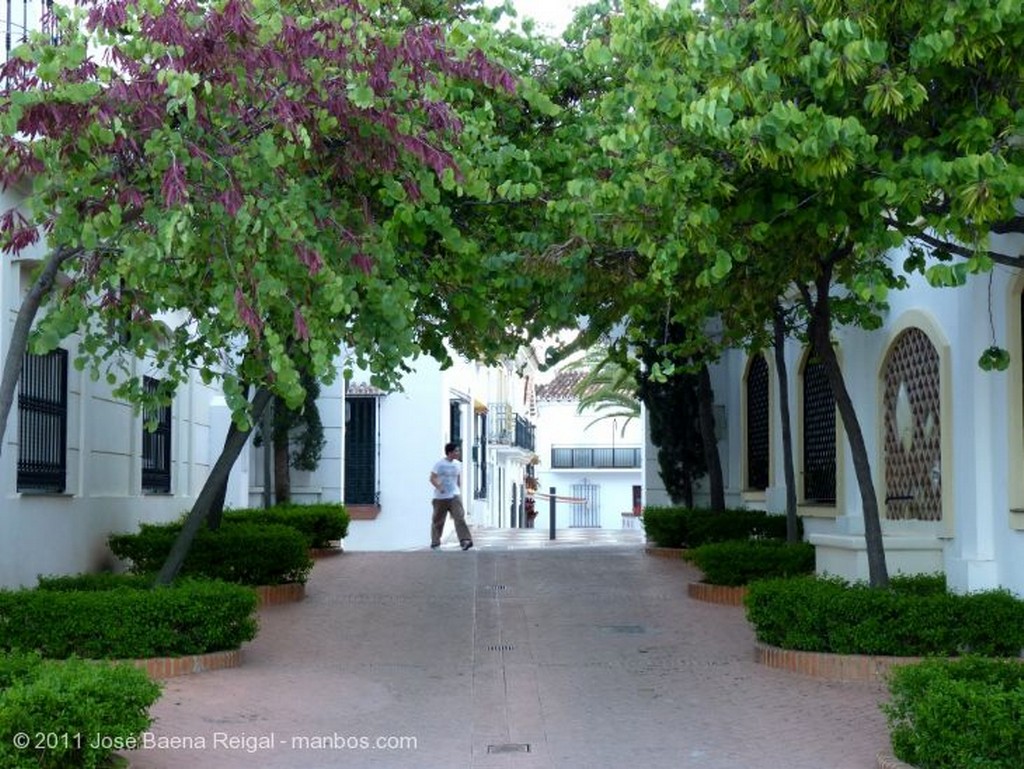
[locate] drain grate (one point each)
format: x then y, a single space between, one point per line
626 629
513 747
502 648
496 587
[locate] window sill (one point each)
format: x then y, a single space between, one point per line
1017 520
362 512
810 510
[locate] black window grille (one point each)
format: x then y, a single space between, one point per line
43 423
757 424
819 436
455 421
480 458
361 451
156 444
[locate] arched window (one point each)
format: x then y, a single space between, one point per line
757 443
913 429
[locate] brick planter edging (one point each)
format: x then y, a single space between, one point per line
325 552
665 552
888 761
830 667
170 667
726 595
289 592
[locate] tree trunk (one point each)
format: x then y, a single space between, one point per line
779 323
233 445
706 397
819 330
17 345
282 471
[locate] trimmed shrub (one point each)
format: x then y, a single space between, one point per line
244 553
105 580
321 523
191 617
666 526
954 714
742 561
74 713
908 619
686 527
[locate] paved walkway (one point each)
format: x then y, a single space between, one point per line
583 653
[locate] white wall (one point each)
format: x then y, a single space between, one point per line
975 544
412 429
558 424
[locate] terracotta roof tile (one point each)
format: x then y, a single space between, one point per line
360 389
561 388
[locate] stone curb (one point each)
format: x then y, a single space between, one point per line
888 761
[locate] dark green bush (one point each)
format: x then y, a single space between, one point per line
666 526
686 527
75 713
907 619
321 523
191 617
742 561
956 714
245 553
101 581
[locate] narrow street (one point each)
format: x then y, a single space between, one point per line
581 653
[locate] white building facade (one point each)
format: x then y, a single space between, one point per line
945 438
594 464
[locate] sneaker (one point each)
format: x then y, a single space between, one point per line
466 544
435 547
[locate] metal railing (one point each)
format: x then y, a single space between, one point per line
508 428
610 458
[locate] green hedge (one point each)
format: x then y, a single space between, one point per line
321 523
193 616
75 714
956 714
742 561
911 618
244 553
691 527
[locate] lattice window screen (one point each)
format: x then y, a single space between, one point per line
913 434
757 424
819 436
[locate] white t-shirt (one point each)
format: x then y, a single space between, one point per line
448 472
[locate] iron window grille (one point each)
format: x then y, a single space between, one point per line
361 447
819 436
156 444
43 423
757 425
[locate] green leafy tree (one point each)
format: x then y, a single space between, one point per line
241 188
781 150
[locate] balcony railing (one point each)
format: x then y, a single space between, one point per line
508 428
598 458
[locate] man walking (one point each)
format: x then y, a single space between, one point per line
446 478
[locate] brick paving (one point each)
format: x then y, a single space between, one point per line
520 653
